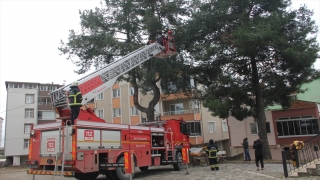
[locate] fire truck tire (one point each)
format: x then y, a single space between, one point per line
178 166
144 168
120 173
111 175
86 176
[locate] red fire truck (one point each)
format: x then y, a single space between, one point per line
91 146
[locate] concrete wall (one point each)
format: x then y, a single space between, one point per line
1 141
15 120
241 129
219 134
124 102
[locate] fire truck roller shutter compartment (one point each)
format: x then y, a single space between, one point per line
111 139
88 139
49 143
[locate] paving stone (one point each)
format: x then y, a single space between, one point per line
228 171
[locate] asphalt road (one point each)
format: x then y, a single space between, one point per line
228 171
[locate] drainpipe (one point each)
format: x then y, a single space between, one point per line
201 120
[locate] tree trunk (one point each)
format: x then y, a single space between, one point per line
156 96
154 101
260 113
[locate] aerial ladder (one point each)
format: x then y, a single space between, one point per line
100 80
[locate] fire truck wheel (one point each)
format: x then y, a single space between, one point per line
178 166
121 172
111 175
144 168
86 176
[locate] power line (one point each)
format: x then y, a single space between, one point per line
14 108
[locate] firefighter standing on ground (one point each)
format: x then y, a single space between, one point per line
75 98
212 151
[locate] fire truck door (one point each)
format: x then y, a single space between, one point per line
90 164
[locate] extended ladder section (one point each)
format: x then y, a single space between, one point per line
102 79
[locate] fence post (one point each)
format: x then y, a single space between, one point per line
284 163
296 157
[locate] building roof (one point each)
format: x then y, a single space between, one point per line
306 99
312 93
19 82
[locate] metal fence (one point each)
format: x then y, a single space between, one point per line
296 159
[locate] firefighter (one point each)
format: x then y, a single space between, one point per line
75 98
160 38
212 152
296 145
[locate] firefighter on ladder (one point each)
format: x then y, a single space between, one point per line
75 98
212 151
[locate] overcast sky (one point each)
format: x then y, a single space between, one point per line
31 31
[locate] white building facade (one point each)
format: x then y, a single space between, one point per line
1 141
27 104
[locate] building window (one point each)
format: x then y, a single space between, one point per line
254 128
195 128
51 88
27 128
43 88
116 112
29 98
46 115
297 126
100 113
193 104
25 143
134 111
211 127
224 126
100 96
44 101
115 93
131 90
30 86
17 85
29 113
176 108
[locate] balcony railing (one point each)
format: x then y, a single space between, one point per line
190 111
195 134
44 103
46 118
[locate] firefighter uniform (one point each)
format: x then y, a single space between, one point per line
212 152
75 98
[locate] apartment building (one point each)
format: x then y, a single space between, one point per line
115 105
299 122
28 103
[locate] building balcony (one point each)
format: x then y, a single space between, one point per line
46 118
187 115
44 103
190 111
44 106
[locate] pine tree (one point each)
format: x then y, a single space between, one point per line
250 54
119 27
